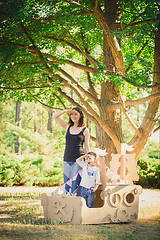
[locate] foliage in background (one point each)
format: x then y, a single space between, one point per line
30 170
149 174
149 166
52 51
42 152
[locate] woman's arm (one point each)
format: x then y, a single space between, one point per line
87 140
60 121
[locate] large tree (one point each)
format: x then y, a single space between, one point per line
114 45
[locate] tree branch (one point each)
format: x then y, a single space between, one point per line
36 48
96 4
74 103
91 87
71 63
82 52
156 129
89 95
127 116
44 62
42 102
31 48
22 88
141 22
134 19
59 100
78 5
55 17
140 86
93 139
133 102
124 26
67 84
27 63
112 40
138 54
70 45
39 100
99 120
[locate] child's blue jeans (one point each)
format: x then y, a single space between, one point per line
89 197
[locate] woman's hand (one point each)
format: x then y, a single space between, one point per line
60 121
70 111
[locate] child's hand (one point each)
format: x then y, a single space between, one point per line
93 189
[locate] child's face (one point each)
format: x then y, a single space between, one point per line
90 160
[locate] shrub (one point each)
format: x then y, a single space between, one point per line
149 174
10 171
29 170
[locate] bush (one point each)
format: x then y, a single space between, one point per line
10 171
149 173
29 170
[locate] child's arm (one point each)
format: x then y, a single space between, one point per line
80 162
81 158
95 188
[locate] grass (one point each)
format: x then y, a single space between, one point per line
22 218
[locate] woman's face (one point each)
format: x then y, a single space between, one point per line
75 116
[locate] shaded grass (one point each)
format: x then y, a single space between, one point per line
22 218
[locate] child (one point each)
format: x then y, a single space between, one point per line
90 177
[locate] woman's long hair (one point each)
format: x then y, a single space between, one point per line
81 120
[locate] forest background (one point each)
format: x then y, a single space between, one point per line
102 56
41 148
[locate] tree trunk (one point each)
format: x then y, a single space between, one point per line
18 123
50 125
35 118
112 118
109 91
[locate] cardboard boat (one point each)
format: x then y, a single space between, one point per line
116 200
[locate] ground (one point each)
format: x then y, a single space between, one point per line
21 217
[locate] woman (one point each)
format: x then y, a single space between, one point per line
76 136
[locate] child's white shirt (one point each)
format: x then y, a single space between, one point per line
90 175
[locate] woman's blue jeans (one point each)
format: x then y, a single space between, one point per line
89 197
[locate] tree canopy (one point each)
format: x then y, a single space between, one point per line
100 55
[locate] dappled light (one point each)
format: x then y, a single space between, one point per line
101 57
22 218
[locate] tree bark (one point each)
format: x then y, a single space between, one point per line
109 91
50 126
